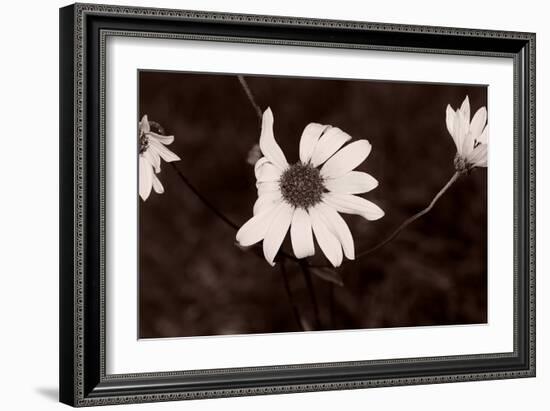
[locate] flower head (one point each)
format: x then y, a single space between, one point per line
470 137
306 197
151 150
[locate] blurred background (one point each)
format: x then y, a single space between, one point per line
195 281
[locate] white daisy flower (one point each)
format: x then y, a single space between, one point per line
307 196
151 150
470 137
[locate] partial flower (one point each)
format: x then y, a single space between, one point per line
151 150
470 137
307 197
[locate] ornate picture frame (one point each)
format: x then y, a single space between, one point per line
84 29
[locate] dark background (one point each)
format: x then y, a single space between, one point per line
194 280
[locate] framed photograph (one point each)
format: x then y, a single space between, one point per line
260 205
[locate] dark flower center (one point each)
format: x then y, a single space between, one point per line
302 185
143 142
462 166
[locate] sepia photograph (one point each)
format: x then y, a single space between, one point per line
263 204
271 204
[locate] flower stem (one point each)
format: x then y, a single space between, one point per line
331 303
218 213
295 310
309 283
410 220
204 199
250 96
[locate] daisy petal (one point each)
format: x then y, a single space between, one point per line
450 120
268 145
350 204
258 166
165 153
267 187
459 133
309 139
354 182
484 136
166 140
301 235
475 129
277 231
254 230
328 144
478 157
152 157
478 122
268 172
346 159
327 241
144 124
465 109
157 185
468 144
339 228
266 201
145 178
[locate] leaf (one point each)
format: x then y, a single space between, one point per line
328 274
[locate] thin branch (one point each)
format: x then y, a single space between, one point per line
331 304
309 283
295 310
205 201
412 219
250 96
220 215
